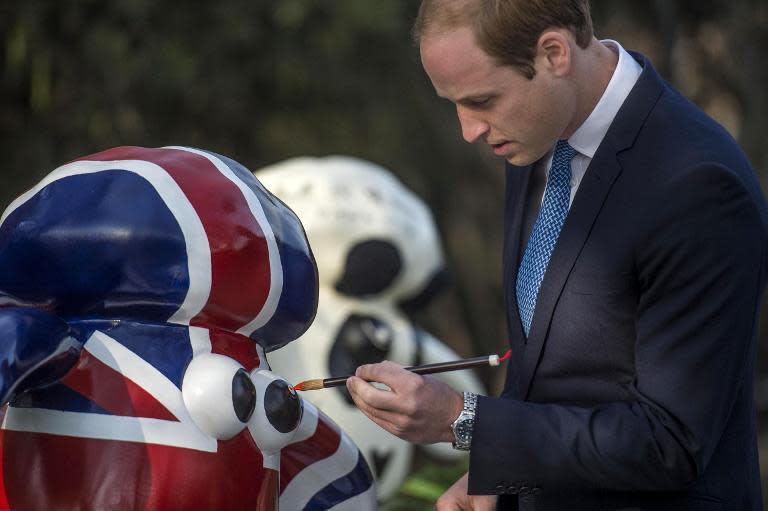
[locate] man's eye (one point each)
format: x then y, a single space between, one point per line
479 102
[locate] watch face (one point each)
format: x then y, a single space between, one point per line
464 430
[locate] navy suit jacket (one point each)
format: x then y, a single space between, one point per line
634 389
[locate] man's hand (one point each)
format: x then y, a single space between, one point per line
455 498
417 409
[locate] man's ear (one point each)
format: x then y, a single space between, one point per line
553 51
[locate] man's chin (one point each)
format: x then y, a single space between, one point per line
519 160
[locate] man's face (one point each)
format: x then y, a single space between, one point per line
520 119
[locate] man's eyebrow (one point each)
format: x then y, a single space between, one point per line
474 98
468 98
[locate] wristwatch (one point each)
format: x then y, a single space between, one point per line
463 425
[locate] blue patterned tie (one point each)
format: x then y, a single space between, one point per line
545 231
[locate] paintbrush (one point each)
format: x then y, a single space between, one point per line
439 367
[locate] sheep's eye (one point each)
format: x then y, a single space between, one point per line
243 395
282 405
278 412
218 394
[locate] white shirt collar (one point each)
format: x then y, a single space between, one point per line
590 134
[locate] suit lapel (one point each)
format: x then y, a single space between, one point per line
593 190
518 181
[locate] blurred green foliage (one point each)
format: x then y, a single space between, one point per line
264 81
425 485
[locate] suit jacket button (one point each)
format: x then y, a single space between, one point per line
512 489
524 490
501 489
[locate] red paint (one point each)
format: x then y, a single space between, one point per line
112 391
3 498
46 472
235 346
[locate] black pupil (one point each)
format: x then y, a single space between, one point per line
283 406
243 395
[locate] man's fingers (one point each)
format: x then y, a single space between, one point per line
365 393
385 372
373 411
382 418
455 497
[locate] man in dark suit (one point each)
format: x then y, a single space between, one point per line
635 262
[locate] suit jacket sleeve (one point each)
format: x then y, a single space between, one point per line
700 273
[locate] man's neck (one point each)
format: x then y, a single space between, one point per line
594 67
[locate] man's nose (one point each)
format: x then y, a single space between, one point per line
472 127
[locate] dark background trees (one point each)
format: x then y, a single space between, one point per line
264 81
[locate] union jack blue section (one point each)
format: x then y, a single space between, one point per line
100 245
167 348
356 482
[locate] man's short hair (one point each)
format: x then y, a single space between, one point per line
507 30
